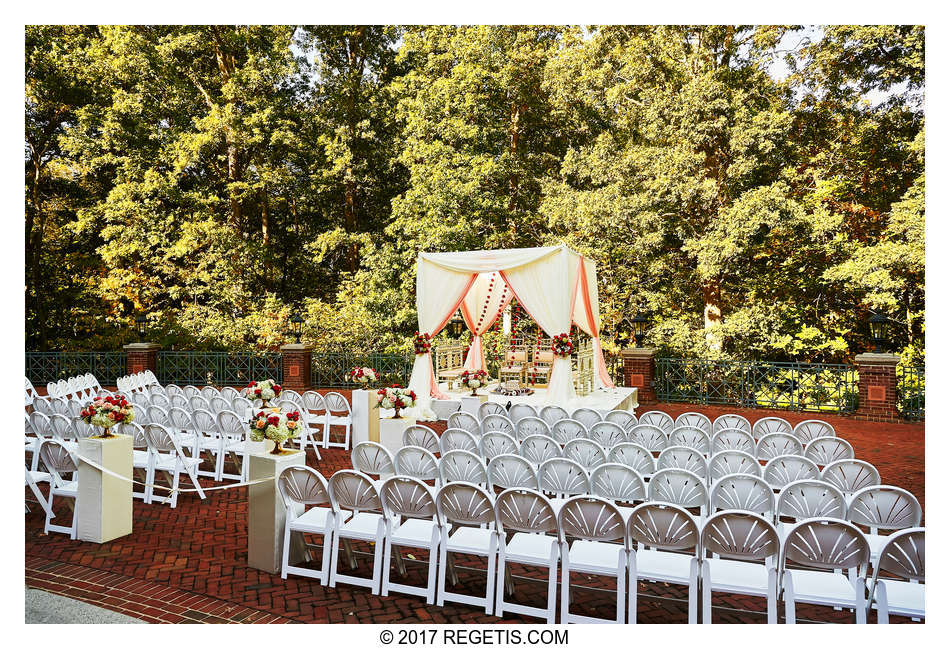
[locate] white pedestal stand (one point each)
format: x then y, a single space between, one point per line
266 512
391 430
365 416
470 404
104 502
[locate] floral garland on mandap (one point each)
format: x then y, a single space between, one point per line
395 398
473 379
562 345
422 343
107 412
264 390
364 375
275 426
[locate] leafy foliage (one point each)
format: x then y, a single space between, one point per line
220 178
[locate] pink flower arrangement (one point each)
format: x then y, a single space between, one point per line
562 345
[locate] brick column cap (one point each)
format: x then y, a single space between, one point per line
638 352
141 347
296 347
877 359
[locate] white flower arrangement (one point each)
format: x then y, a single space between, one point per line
275 426
395 398
363 375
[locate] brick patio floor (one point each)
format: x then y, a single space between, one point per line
189 564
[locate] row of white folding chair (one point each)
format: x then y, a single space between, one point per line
137 382
658 540
81 387
29 392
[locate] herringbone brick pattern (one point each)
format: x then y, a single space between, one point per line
190 564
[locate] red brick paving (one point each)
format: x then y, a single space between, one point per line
190 564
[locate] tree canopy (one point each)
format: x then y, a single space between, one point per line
757 190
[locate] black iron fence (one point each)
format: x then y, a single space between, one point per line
328 369
48 367
218 368
813 387
910 391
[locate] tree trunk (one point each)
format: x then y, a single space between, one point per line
712 313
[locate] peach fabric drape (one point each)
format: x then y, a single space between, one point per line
587 318
488 296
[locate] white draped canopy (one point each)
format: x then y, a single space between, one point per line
554 284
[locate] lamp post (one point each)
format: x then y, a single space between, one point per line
140 322
456 325
878 326
296 324
639 328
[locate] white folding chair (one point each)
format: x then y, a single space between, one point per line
492 423
462 466
825 450
165 455
58 460
744 548
457 439
587 416
683 457
529 516
679 487
731 421
694 420
804 499
660 534
596 525
422 436
374 459
781 470
903 557
495 443
883 507
777 444
552 414
624 419
207 438
338 414
585 452
607 434
634 456
416 462
466 422
851 476
233 441
411 522
659 419
538 449
491 408
693 437
356 492
565 430
769 425
816 546
811 429
305 492
618 483
510 471
528 425
469 510
561 478
649 437
520 411
725 463
743 492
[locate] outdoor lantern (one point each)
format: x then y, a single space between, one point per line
878 326
140 321
296 323
639 328
457 325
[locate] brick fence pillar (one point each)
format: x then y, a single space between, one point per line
140 357
295 359
877 387
638 370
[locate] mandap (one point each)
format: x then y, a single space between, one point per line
555 285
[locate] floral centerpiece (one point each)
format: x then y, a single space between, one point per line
422 343
363 375
562 345
473 379
275 426
107 412
395 398
265 390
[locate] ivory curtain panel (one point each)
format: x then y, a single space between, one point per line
554 284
